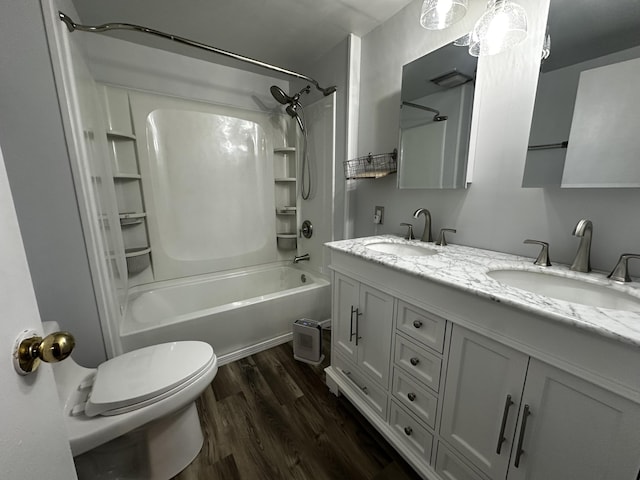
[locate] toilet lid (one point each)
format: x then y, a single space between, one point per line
146 375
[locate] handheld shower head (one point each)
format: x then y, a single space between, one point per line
292 110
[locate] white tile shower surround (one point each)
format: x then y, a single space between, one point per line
466 268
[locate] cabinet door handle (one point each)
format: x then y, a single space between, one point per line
408 431
503 425
348 375
414 361
351 334
417 323
358 313
525 413
411 396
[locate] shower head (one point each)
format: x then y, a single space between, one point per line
283 98
291 102
279 95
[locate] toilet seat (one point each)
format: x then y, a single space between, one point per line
142 377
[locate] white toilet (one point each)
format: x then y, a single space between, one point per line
134 417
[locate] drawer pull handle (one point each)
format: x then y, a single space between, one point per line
351 334
408 431
348 375
507 404
417 323
414 361
523 425
411 396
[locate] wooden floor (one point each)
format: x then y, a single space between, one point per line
271 417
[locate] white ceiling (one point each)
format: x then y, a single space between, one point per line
287 33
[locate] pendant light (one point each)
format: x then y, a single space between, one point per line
440 14
501 27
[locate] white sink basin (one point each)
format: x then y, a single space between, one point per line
567 289
401 249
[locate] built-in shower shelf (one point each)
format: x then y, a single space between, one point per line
127 176
138 259
122 135
286 210
284 150
285 173
127 219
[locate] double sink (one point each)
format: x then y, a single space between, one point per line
575 289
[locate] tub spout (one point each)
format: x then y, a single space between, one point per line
300 258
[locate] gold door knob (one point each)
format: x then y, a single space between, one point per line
31 349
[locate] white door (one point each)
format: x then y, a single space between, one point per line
345 302
574 429
481 400
33 441
374 324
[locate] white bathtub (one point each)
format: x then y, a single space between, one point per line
238 313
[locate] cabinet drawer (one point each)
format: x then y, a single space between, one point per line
413 435
415 397
422 326
451 467
419 362
362 385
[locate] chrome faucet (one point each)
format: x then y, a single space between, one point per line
300 258
620 272
582 262
426 234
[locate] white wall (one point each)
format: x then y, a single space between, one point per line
494 213
137 67
32 137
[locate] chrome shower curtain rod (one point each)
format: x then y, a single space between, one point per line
71 25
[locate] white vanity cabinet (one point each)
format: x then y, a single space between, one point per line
363 322
515 417
468 388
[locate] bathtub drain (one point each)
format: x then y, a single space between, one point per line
303 278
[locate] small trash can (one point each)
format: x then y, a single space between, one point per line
307 341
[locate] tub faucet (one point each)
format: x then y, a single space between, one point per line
426 234
300 258
582 262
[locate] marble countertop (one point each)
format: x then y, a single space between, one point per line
467 268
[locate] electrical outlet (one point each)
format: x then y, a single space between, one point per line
378 215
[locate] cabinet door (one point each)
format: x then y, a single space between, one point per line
345 300
374 327
574 429
482 394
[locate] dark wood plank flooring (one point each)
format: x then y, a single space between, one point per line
271 417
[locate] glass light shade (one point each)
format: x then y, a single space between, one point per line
463 41
501 27
546 47
440 14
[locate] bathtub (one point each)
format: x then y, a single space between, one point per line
238 313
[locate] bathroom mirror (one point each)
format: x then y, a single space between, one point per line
435 119
587 110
